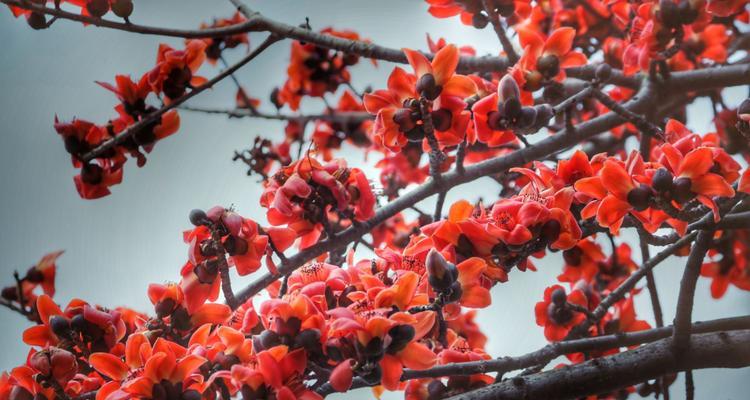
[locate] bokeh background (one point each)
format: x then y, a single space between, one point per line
115 246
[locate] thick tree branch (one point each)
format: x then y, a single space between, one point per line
684 312
606 374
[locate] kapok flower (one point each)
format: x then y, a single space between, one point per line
616 191
276 373
175 70
693 177
399 117
555 314
214 46
549 56
148 372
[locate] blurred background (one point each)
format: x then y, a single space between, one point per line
115 246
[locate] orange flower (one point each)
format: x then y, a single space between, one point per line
549 57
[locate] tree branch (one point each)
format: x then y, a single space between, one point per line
122 137
606 374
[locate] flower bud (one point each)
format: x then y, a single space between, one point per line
442 119
60 326
122 8
439 271
97 8
548 65
428 88
573 256
669 13
662 180
235 245
55 363
479 20
682 192
550 230
511 108
341 376
404 120
508 88
198 217
527 117
640 197
37 21
400 336
92 174
559 298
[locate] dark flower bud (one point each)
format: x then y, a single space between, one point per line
662 180
309 339
508 88
225 361
37 21
122 8
548 65
527 117
573 256
34 275
442 119
164 308
181 319
550 231
235 245
10 293
92 174
495 121
640 197
289 327
688 14
559 298
374 376
603 72
97 8
60 326
455 292
439 271
479 20
404 119
428 88
682 192
78 323
274 97
436 390
198 217
400 335
669 13
511 108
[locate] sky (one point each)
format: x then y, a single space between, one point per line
115 246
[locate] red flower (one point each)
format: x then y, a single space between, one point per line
556 315
549 57
398 112
175 70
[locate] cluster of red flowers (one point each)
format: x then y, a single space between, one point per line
314 71
336 322
172 76
310 197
